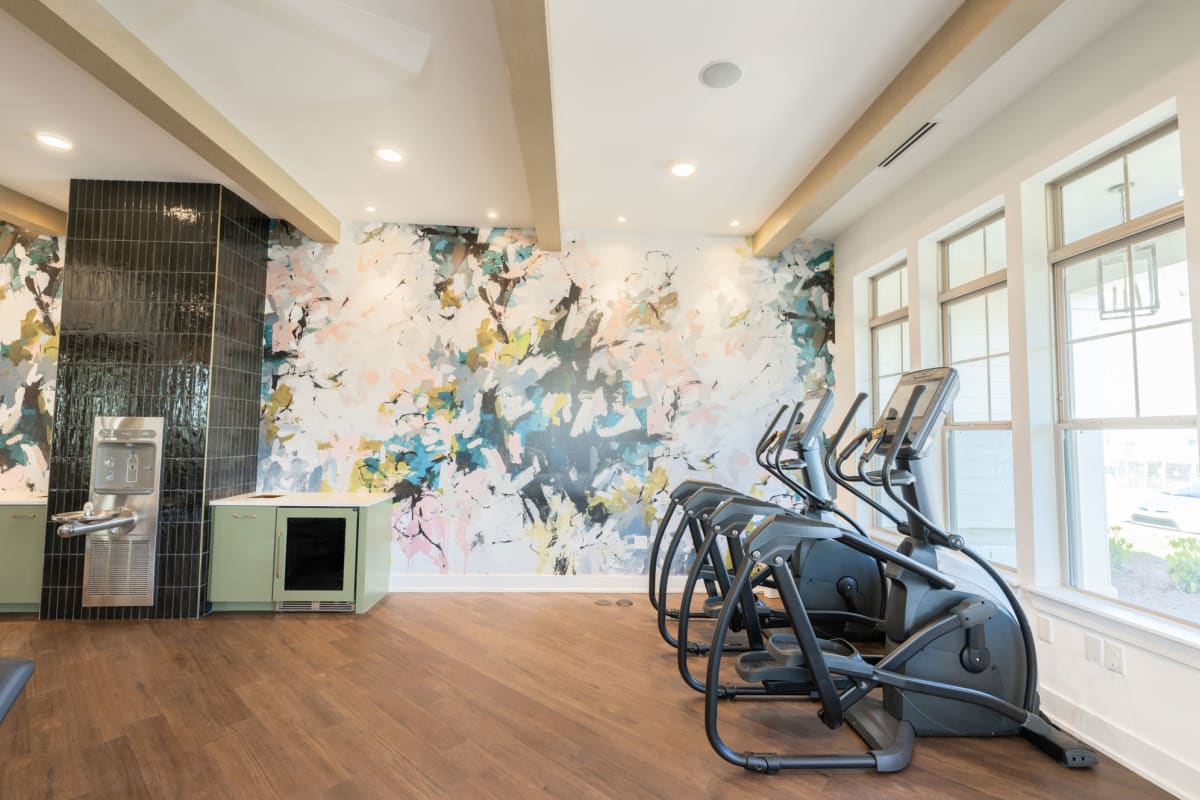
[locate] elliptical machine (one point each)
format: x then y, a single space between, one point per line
843 588
958 658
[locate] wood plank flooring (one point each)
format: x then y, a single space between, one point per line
475 696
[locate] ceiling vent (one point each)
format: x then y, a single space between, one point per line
909 142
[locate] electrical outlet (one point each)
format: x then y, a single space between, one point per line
1045 629
1114 657
1093 648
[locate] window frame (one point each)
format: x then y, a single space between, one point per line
877 321
897 317
947 296
1061 256
1065 419
1061 252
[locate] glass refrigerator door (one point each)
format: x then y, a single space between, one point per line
315 554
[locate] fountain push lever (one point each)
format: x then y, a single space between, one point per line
80 523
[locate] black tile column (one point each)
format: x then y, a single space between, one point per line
150 320
231 458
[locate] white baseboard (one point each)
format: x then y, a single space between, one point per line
633 585
1123 746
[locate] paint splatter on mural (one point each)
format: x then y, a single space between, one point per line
30 294
529 410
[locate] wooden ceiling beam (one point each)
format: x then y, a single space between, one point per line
525 41
970 41
87 34
34 216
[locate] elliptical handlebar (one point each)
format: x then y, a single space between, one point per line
834 459
935 531
846 422
769 435
776 468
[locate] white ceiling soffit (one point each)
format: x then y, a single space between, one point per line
321 84
628 100
1065 32
112 140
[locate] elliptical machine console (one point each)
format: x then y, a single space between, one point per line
940 388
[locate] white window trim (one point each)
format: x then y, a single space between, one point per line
875 322
1151 629
946 296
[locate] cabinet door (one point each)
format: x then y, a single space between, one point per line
22 543
243 554
317 553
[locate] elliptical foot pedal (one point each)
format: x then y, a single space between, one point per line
759 666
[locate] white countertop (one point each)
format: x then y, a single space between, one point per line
306 499
22 499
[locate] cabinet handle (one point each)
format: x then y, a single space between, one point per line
24 516
278 560
245 516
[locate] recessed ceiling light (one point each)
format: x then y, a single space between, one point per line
733 223
370 209
683 169
620 219
55 141
388 154
720 74
492 215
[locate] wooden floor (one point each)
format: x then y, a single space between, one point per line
463 696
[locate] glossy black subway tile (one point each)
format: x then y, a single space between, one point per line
151 271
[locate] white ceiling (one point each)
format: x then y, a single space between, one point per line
319 84
628 100
320 97
112 140
1066 31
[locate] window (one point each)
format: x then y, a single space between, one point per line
889 349
1127 390
978 433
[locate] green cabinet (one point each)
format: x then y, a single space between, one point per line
243 554
263 555
22 544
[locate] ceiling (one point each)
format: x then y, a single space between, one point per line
1066 31
320 97
320 84
111 139
628 100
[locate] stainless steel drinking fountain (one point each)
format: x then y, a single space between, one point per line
121 520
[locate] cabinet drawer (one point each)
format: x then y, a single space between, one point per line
22 543
243 554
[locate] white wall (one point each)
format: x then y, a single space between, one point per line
1144 71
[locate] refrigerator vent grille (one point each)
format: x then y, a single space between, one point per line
314 605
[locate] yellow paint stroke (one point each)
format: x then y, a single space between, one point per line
516 349
391 470
737 319
437 399
279 402
556 407
655 483
653 313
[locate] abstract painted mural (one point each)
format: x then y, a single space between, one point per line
30 294
529 411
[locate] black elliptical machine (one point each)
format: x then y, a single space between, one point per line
691 504
959 658
843 589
